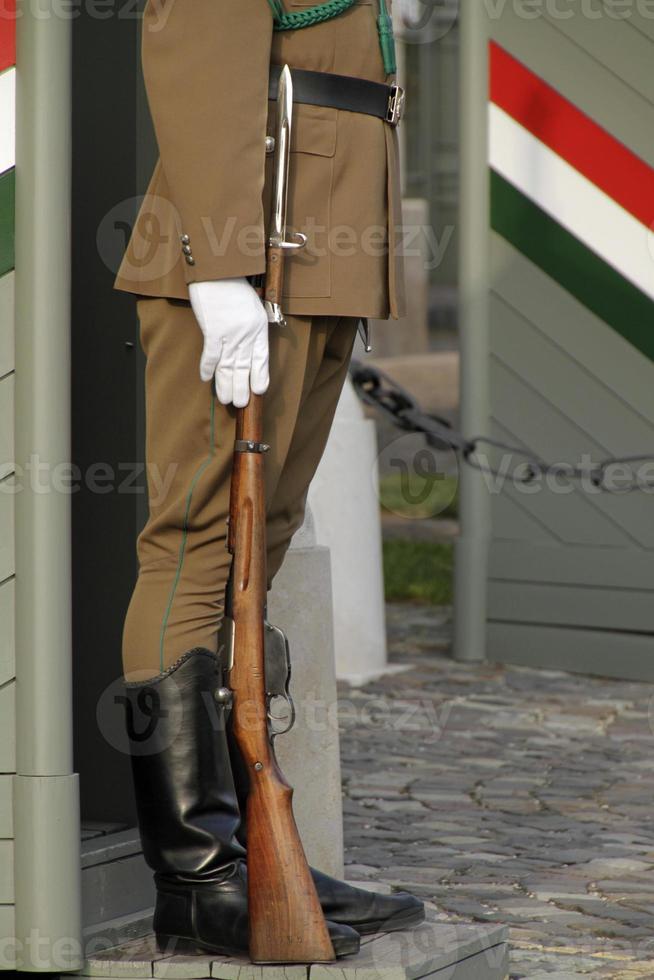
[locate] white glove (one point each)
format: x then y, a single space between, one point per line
235 327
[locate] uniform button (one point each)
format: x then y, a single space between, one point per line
186 249
270 144
184 239
189 260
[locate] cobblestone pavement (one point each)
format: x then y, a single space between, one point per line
506 794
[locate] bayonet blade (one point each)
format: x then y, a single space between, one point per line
282 157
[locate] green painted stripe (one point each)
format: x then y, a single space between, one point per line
7 220
574 266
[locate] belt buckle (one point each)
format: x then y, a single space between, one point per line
396 101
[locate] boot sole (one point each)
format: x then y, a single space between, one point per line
181 944
396 923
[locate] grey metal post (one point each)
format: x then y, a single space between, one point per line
47 844
472 546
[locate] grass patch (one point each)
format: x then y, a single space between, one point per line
418 571
418 496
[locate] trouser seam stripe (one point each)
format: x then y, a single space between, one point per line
182 548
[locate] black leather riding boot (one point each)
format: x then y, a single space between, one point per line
188 812
367 912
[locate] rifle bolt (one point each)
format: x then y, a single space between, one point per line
223 696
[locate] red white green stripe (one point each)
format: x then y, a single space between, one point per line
562 186
7 133
7 119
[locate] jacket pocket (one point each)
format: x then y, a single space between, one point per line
311 174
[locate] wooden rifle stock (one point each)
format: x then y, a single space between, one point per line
285 918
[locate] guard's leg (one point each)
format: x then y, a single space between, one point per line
178 601
335 338
182 554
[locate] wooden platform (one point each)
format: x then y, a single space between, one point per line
437 949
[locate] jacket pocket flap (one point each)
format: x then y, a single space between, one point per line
313 129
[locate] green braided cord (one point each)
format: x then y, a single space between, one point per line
307 18
386 38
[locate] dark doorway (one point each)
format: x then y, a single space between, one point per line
113 155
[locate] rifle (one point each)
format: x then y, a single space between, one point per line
286 923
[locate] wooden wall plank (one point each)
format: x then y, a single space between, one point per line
565 605
641 23
523 418
543 562
621 49
600 652
6 532
8 728
7 931
591 342
6 324
6 871
6 806
7 632
6 426
7 220
513 522
590 417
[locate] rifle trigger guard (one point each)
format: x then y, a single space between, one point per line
278 676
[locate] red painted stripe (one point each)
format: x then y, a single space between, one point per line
7 33
568 131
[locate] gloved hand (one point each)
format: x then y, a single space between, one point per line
235 327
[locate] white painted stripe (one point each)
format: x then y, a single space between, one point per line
572 200
7 119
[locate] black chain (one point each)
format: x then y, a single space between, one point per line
377 389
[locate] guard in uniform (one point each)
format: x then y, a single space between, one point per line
211 68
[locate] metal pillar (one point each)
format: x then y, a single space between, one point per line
47 844
472 546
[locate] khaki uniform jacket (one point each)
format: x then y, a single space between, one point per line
206 66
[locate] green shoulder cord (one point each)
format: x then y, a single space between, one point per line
283 21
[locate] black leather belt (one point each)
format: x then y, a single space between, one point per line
343 92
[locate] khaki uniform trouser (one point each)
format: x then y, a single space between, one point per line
178 601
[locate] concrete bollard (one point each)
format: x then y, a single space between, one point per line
301 604
344 501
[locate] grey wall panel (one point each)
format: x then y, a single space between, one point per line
6 426
611 101
6 532
7 931
565 605
7 654
532 421
6 806
557 375
615 44
641 21
8 727
571 574
6 871
6 323
514 522
542 562
600 652
600 423
591 343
